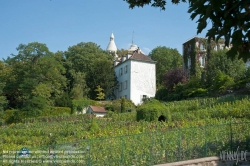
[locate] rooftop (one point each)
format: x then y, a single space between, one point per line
98 109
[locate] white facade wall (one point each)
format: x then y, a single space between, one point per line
139 81
143 80
97 114
123 76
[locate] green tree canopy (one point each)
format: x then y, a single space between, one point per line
36 76
87 67
230 20
167 59
220 62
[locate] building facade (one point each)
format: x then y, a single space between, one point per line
195 53
136 74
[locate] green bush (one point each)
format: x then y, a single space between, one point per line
123 105
222 82
161 94
57 111
115 106
94 127
152 110
14 116
195 92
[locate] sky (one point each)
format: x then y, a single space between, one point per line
61 24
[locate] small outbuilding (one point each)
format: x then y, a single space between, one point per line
96 110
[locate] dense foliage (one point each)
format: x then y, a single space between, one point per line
167 59
87 67
174 77
230 19
221 76
234 68
36 79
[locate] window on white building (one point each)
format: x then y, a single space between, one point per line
126 69
125 85
143 97
121 71
120 86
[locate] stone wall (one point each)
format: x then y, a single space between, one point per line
210 161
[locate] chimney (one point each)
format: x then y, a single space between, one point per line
123 58
138 50
128 56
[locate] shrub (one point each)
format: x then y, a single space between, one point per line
161 94
151 111
57 111
94 127
175 76
115 106
14 116
123 108
222 82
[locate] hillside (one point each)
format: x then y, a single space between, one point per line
214 117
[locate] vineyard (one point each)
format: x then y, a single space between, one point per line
197 128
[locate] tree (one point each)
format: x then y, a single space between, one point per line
36 77
100 95
93 66
234 68
221 82
175 76
167 59
101 73
79 87
3 101
4 74
230 20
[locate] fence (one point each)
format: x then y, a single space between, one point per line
142 149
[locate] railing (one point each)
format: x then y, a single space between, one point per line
142 149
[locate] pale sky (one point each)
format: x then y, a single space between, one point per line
64 23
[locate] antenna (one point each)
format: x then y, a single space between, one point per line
133 38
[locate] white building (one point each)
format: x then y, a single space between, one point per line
136 74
